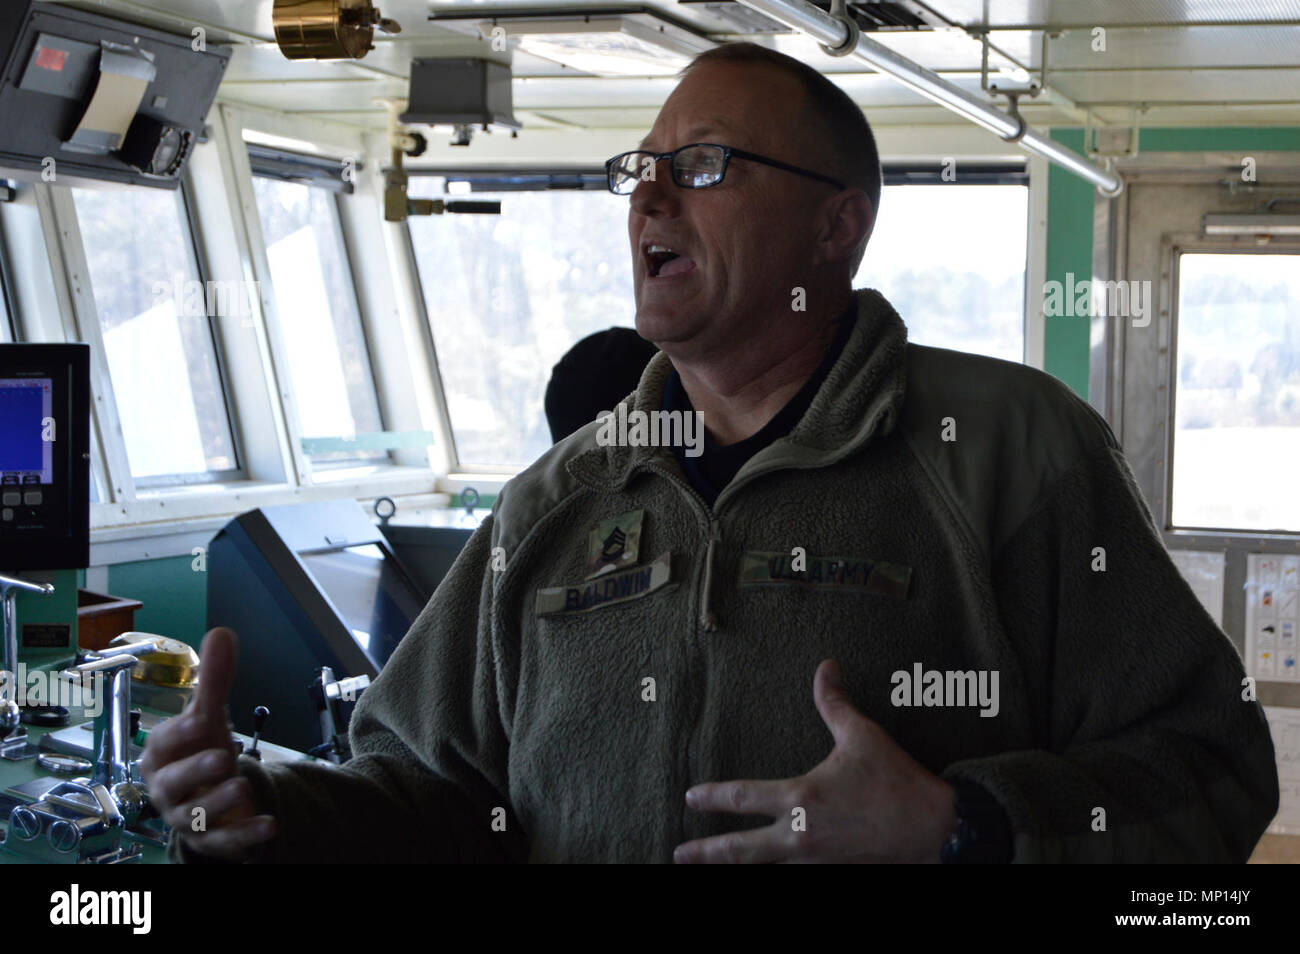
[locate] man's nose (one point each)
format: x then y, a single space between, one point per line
655 193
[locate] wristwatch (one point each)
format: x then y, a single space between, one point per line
982 835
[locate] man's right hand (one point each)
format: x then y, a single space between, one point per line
189 764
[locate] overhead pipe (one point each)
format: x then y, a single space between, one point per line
844 39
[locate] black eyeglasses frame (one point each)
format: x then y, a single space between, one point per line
728 152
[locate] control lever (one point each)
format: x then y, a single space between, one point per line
80 823
82 820
13 737
260 715
333 699
113 766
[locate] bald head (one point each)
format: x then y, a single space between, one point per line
832 131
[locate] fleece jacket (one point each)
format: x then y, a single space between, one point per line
931 512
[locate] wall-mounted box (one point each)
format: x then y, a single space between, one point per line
460 91
85 96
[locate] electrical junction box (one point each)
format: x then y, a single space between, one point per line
460 91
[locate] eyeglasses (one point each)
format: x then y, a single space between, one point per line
697 165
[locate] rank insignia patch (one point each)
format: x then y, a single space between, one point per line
767 568
613 543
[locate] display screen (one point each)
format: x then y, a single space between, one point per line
377 604
26 450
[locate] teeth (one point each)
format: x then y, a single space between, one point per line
656 249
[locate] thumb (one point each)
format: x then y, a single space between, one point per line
217 658
832 700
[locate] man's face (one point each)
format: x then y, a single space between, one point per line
745 242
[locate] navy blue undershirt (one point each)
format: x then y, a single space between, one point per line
718 464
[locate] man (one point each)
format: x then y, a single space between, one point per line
1007 665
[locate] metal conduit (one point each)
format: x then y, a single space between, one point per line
804 17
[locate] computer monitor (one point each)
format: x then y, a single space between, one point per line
428 544
305 586
44 456
372 596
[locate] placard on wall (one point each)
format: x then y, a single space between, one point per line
1272 605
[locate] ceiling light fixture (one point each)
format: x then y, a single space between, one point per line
1229 223
630 45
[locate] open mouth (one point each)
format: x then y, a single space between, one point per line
665 262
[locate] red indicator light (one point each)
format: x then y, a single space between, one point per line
48 58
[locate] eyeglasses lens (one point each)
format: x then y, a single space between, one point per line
698 167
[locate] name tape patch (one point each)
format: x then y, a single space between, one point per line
606 590
773 568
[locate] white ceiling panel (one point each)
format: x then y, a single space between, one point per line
241 17
317 96
1198 86
693 15
266 64
864 87
1152 48
1270 114
1088 13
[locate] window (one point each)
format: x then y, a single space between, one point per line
507 295
1236 431
155 321
330 373
951 260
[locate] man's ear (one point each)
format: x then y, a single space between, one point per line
848 219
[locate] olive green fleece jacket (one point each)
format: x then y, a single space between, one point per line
950 510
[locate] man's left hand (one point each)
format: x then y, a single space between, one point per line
869 801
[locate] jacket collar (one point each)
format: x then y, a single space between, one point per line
859 400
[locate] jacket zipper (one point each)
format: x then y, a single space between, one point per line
705 622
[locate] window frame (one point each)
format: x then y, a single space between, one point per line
130 521
495 178
339 235
374 271
1030 175
1130 242
87 325
81 323
970 172
499 178
194 258
1172 248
